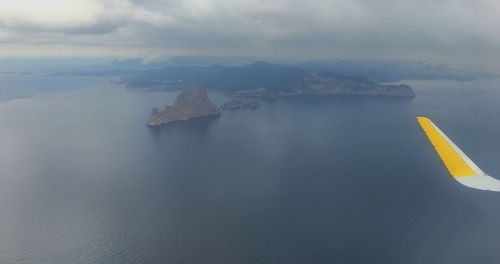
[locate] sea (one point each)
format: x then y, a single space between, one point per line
311 180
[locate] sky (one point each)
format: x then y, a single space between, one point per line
457 32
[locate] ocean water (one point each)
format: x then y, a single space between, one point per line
343 180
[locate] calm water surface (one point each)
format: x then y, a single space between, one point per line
346 180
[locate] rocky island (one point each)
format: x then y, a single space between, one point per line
240 104
189 104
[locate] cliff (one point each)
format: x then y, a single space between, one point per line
189 104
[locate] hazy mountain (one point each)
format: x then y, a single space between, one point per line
373 69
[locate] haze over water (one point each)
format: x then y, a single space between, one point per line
347 180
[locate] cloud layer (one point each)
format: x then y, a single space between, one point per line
452 31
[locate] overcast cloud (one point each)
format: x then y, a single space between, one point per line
446 31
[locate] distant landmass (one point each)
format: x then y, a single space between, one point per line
395 70
14 73
189 104
375 70
235 104
262 80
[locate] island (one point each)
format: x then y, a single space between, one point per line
189 104
262 80
235 104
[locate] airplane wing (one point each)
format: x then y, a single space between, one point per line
461 167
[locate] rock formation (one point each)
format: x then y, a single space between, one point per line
190 104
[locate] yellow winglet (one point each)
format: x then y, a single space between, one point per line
453 158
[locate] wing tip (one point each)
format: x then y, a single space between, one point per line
423 118
480 180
